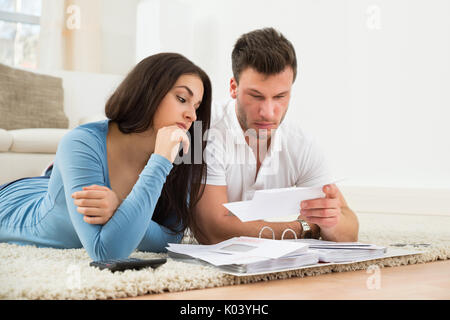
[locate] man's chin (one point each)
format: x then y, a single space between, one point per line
261 134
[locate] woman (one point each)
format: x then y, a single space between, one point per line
113 187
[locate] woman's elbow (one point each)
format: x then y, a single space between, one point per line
102 253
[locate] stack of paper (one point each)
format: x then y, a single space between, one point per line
245 255
330 251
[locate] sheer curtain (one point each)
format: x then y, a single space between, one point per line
70 37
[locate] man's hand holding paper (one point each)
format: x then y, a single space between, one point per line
324 212
324 207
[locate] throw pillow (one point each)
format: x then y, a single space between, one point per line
30 100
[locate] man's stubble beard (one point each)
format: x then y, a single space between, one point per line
242 119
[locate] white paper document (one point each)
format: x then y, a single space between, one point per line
240 249
330 251
242 256
323 244
273 203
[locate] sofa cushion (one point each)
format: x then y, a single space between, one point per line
36 140
14 166
30 100
5 140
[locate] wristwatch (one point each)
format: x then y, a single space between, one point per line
306 229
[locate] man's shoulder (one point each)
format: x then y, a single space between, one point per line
293 133
298 144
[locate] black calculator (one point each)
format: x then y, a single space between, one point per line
129 263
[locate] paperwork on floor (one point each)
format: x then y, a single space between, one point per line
329 251
247 255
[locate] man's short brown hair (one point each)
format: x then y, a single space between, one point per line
265 50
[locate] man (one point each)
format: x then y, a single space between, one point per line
251 148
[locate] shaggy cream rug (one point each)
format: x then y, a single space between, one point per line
27 272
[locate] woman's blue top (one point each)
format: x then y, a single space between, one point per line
40 211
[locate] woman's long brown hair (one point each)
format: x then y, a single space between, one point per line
133 105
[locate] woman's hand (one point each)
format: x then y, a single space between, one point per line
168 141
96 203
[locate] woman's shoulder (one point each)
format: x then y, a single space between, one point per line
96 128
92 134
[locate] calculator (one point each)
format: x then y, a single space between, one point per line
126 264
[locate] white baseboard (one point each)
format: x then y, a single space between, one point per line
397 200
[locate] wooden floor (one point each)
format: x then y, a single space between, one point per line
419 281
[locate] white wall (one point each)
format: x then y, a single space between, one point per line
96 36
118 37
373 81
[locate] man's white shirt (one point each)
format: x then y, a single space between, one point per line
293 158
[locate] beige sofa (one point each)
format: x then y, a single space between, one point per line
26 152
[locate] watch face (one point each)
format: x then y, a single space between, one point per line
305 225
306 229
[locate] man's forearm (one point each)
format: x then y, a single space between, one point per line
345 231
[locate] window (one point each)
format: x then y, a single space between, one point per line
19 32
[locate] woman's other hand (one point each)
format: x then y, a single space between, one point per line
96 203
